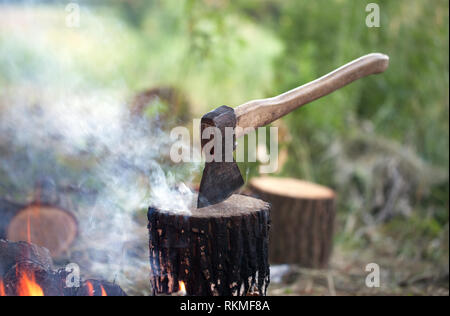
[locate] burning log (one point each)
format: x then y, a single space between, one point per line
45 225
302 220
217 250
26 270
100 288
22 252
29 279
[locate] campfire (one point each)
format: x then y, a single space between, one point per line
27 270
26 283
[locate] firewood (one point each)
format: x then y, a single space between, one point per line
100 288
43 282
22 252
45 225
303 216
26 270
217 250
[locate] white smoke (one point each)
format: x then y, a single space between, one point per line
85 137
120 157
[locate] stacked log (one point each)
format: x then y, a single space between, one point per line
22 252
27 270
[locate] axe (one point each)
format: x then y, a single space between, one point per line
221 176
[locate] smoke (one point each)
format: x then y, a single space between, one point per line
57 126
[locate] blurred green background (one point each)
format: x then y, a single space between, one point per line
382 143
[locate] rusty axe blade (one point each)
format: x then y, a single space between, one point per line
220 178
219 181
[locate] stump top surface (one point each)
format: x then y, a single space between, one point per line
290 187
235 205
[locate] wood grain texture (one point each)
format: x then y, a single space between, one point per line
49 226
261 112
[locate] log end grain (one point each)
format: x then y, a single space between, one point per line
293 188
46 226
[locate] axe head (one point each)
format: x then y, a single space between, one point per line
221 176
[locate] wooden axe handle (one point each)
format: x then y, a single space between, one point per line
259 113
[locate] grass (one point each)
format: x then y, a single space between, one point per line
383 132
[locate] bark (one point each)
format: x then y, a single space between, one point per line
217 250
303 217
48 281
100 288
22 252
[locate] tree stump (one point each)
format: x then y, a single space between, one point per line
303 216
217 250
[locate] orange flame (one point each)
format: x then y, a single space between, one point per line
2 288
27 286
103 291
182 287
32 217
29 229
90 288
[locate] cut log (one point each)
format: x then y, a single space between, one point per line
303 216
29 279
100 288
22 252
44 225
217 250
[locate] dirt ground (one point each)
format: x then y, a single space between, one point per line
346 277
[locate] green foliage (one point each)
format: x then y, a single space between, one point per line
401 103
228 52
